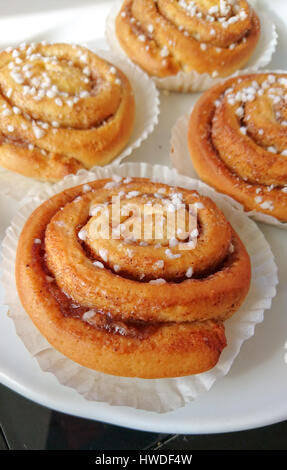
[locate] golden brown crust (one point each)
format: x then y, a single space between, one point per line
166 37
87 298
62 108
237 140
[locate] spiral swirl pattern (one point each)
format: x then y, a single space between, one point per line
165 37
62 108
238 141
145 302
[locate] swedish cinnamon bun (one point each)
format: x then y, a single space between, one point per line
165 37
131 277
62 108
238 141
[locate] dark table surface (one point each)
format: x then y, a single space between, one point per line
27 425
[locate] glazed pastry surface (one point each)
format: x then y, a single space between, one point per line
62 108
131 277
165 37
238 141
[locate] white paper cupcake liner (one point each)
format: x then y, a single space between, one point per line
193 81
18 187
158 395
181 161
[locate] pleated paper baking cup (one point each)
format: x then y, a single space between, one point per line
182 162
18 186
193 81
156 395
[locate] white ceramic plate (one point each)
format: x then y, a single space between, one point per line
254 392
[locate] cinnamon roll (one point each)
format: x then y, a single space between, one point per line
238 141
131 277
62 108
165 37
